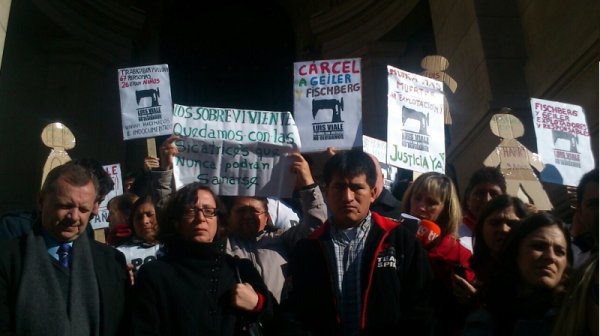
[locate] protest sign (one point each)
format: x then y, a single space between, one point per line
146 106
434 67
378 148
234 151
415 122
516 161
59 138
114 170
327 104
563 141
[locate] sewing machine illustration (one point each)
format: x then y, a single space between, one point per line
336 106
422 118
149 93
570 137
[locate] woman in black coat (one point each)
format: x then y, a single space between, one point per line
196 289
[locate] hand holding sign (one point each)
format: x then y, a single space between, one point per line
168 150
301 168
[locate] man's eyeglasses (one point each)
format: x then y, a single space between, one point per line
192 213
248 209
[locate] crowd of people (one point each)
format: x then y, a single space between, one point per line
348 259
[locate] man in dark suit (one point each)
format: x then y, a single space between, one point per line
56 280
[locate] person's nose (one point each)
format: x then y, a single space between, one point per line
75 215
421 206
348 195
549 255
504 228
200 216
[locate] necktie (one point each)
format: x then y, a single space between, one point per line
63 254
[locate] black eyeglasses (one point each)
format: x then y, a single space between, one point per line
192 213
248 209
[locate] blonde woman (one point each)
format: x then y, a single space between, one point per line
432 197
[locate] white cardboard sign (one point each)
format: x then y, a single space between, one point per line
114 170
327 104
415 122
378 148
146 106
563 141
234 151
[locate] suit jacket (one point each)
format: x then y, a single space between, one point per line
111 274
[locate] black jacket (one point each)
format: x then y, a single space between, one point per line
111 274
188 292
395 283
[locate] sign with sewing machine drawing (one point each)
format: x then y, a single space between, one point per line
415 122
235 151
327 104
146 107
114 171
563 141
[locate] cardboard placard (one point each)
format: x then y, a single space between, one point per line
59 138
234 151
146 106
378 148
515 160
328 104
563 141
434 66
114 170
415 122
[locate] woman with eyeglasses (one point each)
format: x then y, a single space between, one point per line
251 234
196 288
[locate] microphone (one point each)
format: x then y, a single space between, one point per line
427 232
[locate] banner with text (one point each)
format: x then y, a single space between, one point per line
327 104
415 122
235 151
114 170
563 141
146 106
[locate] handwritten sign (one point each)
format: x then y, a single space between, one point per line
415 122
563 141
146 106
235 151
327 103
114 170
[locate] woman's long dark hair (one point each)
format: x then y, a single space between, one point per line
481 252
500 294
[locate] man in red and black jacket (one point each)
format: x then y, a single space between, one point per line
360 273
